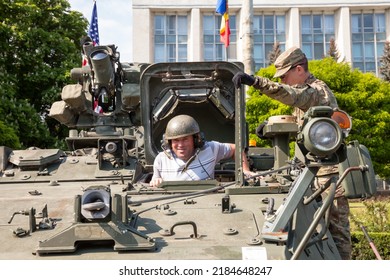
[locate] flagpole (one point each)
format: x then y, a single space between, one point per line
227 53
247 36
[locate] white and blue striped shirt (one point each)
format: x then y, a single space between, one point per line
170 168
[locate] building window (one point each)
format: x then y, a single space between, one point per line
213 49
267 30
317 32
170 38
368 40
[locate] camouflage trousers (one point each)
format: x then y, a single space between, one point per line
339 226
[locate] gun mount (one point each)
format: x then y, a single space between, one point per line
102 111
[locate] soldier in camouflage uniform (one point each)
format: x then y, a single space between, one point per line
300 89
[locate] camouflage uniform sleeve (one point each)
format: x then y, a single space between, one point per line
313 93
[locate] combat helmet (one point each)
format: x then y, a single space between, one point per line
181 126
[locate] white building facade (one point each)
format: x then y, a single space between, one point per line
182 30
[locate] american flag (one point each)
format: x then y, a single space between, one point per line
93 30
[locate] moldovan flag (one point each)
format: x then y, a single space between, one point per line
222 9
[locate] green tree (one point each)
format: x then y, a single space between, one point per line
363 96
260 107
8 137
39 44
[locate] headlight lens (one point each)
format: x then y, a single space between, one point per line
324 136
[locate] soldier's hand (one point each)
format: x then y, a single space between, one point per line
242 78
260 130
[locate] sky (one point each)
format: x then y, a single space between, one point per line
114 21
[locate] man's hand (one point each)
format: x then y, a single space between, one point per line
242 78
252 175
155 182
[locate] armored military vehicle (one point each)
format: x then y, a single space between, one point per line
93 201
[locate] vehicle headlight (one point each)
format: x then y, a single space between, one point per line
322 136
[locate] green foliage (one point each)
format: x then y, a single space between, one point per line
369 106
264 107
8 137
361 249
375 216
260 107
39 45
338 76
363 96
20 120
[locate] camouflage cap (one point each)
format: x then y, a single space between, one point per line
286 60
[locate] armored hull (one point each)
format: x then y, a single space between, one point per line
202 222
202 231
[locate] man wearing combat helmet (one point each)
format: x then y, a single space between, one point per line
187 156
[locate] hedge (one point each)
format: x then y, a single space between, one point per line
361 249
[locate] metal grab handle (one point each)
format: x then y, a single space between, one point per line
327 203
22 212
195 235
